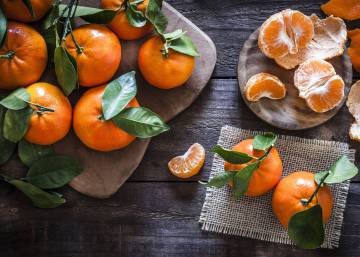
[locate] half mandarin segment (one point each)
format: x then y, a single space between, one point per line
48 127
92 130
264 85
100 54
285 32
319 85
266 176
353 104
354 49
161 71
286 200
189 164
17 10
346 9
120 24
23 56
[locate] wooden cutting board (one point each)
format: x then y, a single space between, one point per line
105 172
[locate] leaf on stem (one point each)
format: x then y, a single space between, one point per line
53 171
3 27
29 6
232 157
51 18
306 228
118 93
7 148
220 180
16 124
184 45
66 71
342 170
140 122
155 16
242 178
91 14
262 142
135 17
17 100
30 153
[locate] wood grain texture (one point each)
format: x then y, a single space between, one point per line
291 112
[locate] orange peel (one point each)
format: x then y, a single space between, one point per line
354 49
346 9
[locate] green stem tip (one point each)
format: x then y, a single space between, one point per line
8 55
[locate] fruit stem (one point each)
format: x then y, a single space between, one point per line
307 201
41 109
79 49
101 117
8 55
165 50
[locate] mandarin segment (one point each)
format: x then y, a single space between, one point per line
285 32
353 101
346 9
189 164
264 85
319 85
354 49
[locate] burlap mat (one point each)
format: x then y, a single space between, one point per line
252 216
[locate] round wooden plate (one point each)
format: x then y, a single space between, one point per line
291 112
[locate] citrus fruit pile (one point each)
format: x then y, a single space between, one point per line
302 200
107 117
294 39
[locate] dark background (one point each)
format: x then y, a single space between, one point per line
154 213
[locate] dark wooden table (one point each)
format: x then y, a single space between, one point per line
154 213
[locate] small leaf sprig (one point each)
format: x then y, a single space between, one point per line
137 121
241 178
306 228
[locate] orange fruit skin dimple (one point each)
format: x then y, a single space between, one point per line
264 85
120 24
95 133
286 200
101 54
266 176
49 127
160 71
17 10
29 60
354 49
346 9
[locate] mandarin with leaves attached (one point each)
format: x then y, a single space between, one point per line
18 11
23 57
120 24
48 126
92 129
290 193
161 70
97 52
266 176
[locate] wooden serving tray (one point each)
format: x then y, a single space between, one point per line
105 172
291 112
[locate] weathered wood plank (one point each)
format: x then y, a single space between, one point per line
142 219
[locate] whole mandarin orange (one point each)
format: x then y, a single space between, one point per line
23 57
95 132
161 71
100 53
48 127
288 195
120 24
17 10
266 176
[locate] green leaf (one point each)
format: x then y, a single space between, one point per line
155 16
29 153
17 100
3 27
90 14
118 93
16 124
52 40
171 36
221 180
342 170
242 179
51 17
7 148
262 142
140 122
232 157
306 228
29 6
184 45
135 17
39 198
65 70
53 171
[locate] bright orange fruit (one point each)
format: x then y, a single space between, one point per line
264 85
189 164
